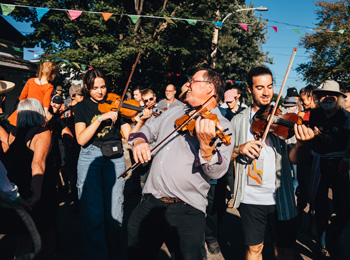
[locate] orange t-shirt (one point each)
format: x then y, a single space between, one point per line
33 90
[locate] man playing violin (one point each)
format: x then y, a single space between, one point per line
174 200
330 167
264 190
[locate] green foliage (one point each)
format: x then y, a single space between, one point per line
329 51
166 48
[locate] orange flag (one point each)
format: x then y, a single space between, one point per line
106 16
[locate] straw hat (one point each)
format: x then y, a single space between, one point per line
6 86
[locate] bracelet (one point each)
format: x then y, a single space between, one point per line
346 159
207 156
99 118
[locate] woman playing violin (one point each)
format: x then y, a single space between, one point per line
175 194
99 191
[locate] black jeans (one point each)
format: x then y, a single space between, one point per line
153 222
323 210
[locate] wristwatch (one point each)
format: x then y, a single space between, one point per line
236 149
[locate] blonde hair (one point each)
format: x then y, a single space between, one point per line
47 69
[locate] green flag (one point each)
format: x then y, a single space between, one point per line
134 18
7 9
191 21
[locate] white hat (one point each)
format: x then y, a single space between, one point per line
6 86
329 86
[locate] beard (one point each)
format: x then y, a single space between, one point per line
168 97
327 106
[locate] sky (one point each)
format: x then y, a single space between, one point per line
285 15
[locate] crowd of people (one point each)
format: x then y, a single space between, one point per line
195 155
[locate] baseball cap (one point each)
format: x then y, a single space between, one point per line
57 100
230 95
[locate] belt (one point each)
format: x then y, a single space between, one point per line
170 200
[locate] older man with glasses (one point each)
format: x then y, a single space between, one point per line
174 201
170 100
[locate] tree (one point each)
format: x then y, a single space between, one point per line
170 51
329 50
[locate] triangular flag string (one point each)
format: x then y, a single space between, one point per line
134 18
7 9
244 26
41 12
106 16
74 14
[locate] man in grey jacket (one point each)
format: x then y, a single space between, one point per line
263 184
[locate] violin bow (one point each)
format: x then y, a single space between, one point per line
279 96
195 113
127 83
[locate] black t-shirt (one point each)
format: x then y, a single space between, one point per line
335 131
87 112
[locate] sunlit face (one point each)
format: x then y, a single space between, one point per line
55 106
306 101
347 101
137 95
199 89
262 90
170 92
99 90
149 99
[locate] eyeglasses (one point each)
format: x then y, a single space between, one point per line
194 81
150 99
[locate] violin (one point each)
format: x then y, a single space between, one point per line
129 108
184 124
282 123
190 125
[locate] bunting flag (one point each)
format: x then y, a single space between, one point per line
134 18
7 9
76 64
340 31
218 24
83 67
40 12
275 28
297 31
106 16
17 49
168 20
244 26
74 14
3 44
191 21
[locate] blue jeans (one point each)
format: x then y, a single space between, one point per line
101 203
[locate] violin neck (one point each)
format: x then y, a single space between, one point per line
125 105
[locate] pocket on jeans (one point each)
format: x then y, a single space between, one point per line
85 151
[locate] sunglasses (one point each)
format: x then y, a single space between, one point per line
74 95
150 99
